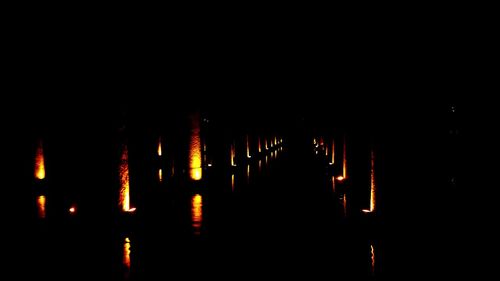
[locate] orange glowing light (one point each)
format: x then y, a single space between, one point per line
340 178
333 184
195 149
344 204
260 165
233 155
333 153
275 140
160 175
40 202
72 210
159 147
265 143
124 201
131 210
248 148
232 182
39 162
372 182
126 256
259 145
344 162
196 213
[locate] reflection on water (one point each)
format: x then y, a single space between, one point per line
248 174
372 258
126 258
124 201
232 182
259 145
260 165
39 162
195 148
333 183
160 175
196 213
40 202
344 204
344 161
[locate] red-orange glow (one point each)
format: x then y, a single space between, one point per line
321 141
72 210
332 160
326 151
126 257
124 201
39 162
40 202
372 182
195 149
160 175
259 145
232 182
265 143
197 212
159 147
340 178
344 162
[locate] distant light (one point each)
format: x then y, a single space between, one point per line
340 178
131 210
127 240
366 211
72 210
209 165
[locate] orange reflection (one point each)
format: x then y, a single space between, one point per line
259 145
40 202
232 182
126 257
248 174
124 201
333 183
260 165
372 264
39 162
340 178
275 140
160 175
195 148
344 204
197 213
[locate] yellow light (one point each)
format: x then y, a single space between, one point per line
160 175
72 210
248 174
248 148
340 178
39 162
333 153
196 213
372 265
159 147
233 155
195 149
232 182
40 202
124 201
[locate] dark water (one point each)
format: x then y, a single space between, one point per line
281 221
